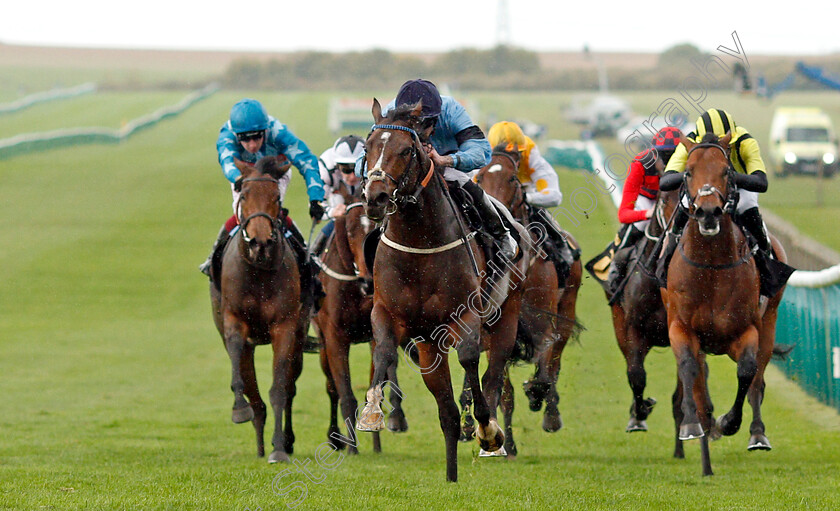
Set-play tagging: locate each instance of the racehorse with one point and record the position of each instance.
(426, 287)
(712, 301)
(344, 317)
(548, 312)
(256, 300)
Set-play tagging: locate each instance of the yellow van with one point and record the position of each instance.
(802, 141)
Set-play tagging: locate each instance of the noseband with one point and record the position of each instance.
(276, 225)
(377, 173)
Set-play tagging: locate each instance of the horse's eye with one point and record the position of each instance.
(406, 151)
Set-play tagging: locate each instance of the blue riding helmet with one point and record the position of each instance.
(248, 115)
(413, 91)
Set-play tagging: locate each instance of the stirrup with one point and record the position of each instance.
(205, 266)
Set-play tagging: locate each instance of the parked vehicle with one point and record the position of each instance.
(802, 141)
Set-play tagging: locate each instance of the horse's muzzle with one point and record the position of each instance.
(708, 219)
(376, 206)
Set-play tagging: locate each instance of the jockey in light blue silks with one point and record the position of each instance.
(251, 134)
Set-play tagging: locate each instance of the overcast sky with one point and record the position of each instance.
(807, 28)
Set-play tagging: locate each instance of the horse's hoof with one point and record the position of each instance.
(371, 419)
(691, 431)
(725, 426)
(397, 423)
(636, 425)
(244, 414)
(498, 436)
(498, 453)
(552, 423)
(759, 443)
(278, 457)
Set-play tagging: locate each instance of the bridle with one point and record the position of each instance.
(728, 197)
(514, 204)
(377, 173)
(730, 201)
(276, 224)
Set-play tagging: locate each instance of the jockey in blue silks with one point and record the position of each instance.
(457, 146)
(251, 134)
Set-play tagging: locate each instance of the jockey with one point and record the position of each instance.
(337, 165)
(750, 180)
(639, 198)
(249, 135)
(539, 184)
(457, 146)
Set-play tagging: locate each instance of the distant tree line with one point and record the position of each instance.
(499, 68)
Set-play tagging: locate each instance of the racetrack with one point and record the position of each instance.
(115, 381)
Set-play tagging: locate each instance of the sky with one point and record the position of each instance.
(803, 28)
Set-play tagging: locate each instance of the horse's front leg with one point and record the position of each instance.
(686, 350)
(744, 351)
(434, 366)
(235, 334)
(252, 392)
(283, 387)
(371, 417)
(396, 419)
(635, 350)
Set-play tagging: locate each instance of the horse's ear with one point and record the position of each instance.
(724, 141)
(376, 111)
(688, 144)
(417, 110)
(245, 168)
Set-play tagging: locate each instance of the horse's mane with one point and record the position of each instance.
(501, 147)
(710, 138)
(401, 113)
(269, 166)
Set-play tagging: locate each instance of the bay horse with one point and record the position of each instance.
(426, 287)
(548, 315)
(712, 301)
(256, 300)
(344, 317)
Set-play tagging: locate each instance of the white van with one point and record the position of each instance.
(802, 141)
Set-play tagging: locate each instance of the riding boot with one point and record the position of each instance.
(320, 243)
(672, 237)
(219, 244)
(306, 268)
(617, 268)
(492, 220)
(751, 220)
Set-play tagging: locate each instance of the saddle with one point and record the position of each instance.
(772, 273)
(558, 248)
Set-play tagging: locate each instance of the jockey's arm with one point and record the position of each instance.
(546, 192)
(228, 150)
(755, 178)
(627, 212)
(299, 154)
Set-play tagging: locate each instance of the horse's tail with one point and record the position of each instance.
(781, 351)
(525, 344)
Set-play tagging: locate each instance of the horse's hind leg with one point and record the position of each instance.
(337, 349)
(288, 432)
(466, 401)
(332, 393)
(745, 351)
(396, 419)
(507, 412)
(758, 440)
(676, 408)
(499, 347)
(249, 376)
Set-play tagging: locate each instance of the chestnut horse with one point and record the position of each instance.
(344, 318)
(548, 310)
(257, 301)
(426, 287)
(712, 301)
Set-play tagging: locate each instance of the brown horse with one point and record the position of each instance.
(257, 301)
(426, 286)
(712, 301)
(344, 318)
(640, 320)
(548, 315)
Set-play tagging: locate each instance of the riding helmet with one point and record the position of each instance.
(248, 115)
(348, 149)
(668, 138)
(413, 91)
(714, 121)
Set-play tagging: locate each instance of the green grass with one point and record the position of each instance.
(116, 385)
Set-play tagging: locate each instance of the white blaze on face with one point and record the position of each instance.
(365, 222)
(385, 137)
(495, 168)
